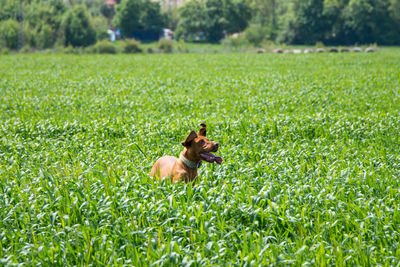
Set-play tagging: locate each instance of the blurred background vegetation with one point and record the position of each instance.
(42, 24)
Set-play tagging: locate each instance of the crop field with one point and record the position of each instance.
(310, 144)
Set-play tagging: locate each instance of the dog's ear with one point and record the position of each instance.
(189, 139)
(203, 131)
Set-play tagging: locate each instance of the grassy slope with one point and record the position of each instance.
(310, 146)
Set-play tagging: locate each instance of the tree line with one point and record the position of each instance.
(333, 22)
(48, 23)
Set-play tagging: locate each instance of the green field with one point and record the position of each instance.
(310, 145)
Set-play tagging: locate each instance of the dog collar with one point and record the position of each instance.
(189, 163)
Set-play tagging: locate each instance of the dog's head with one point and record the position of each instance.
(200, 148)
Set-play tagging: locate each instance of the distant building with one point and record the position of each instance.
(167, 34)
(111, 2)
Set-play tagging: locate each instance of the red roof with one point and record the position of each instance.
(111, 2)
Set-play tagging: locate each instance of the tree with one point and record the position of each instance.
(213, 18)
(394, 9)
(255, 34)
(44, 36)
(309, 23)
(369, 21)
(9, 33)
(171, 14)
(265, 14)
(100, 25)
(237, 15)
(127, 17)
(152, 21)
(9, 9)
(191, 20)
(42, 22)
(93, 6)
(333, 14)
(140, 19)
(107, 11)
(78, 30)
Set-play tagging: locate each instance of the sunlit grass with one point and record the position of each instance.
(310, 146)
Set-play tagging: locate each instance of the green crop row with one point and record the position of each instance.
(310, 144)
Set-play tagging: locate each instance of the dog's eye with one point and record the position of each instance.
(201, 142)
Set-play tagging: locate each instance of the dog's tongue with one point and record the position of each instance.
(211, 158)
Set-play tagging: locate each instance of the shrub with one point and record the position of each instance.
(166, 45)
(255, 34)
(25, 49)
(268, 45)
(105, 47)
(47, 51)
(9, 33)
(235, 41)
(131, 46)
(182, 46)
(5, 51)
(68, 50)
(90, 49)
(319, 44)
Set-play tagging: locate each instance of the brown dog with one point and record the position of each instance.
(196, 148)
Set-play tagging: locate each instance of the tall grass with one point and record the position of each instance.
(310, 145)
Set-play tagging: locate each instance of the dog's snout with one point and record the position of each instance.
(216, 146)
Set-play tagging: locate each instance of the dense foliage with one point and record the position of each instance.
(339, 22)
(310, 142)
(140, 19)
(77, 28)
(9, 30)
(333, 22)
(211, 18)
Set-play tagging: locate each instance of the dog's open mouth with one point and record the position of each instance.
(211, 158)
